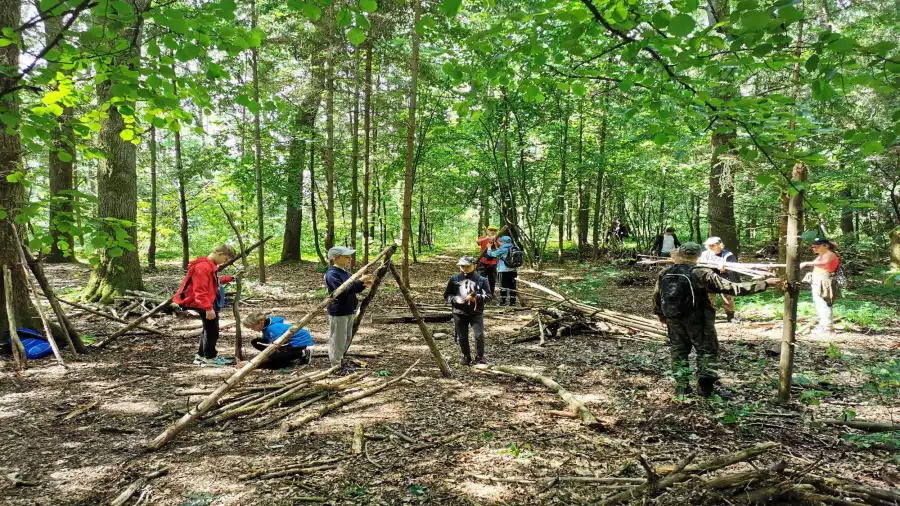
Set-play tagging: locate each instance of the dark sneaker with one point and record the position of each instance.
(708, 389)
(465, 361)
(502, 303)
(305, 357)
(729, 317)
(480, 361)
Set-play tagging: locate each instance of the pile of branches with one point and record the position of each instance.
(566, 316)
(270, 404)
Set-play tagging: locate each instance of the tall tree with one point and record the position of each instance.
(182, 195)
(354, 152)
(329, 131)
(561, 196)
(151, 249)
(367, 171)
(406, 226)
(62, 164)
(118, 269)
(257, 150)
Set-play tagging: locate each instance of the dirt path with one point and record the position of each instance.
(506, 429)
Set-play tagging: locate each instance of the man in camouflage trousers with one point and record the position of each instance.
(680, 301)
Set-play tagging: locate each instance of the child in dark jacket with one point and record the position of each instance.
(293, 351)
(468, 292)
(340, 312)
(200, 292)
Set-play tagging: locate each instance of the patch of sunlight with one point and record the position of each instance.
(81, 479)
(143, 407)
(367, 411)
(482, 490)
(478, 393)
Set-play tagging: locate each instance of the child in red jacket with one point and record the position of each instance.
(199, 291)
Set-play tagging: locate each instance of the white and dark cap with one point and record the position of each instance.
(712, 240)
(339, 251)
(466, 261)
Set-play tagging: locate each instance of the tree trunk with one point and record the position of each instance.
(697, 203)
(406, 225)
(847, 217)
(720, 212)
(151, 250)
(895, 249)
(329, 133)
(354, 154)
(598, 200)
(257, 152)
(792, 293)
(117, 183)
(561, 197)
(61, 172)
(367, 126)
(312, 196)
(12, 194)
(182, 198)
(584, 199)
(304, 124)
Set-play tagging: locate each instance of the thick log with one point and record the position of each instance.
(587, 418)
(862, 425)
(110, 317)
(731, 458)
(830, 483)
(426, 332)
(244, 371)
(347, 400)
(359, 439)
(428, 318)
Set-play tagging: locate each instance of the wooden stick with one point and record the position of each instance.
(70, 335)
(359, 439)
(236, 303)
(364, 305)
(439, 442)
(136, 485)
(296, 471)
(244, 254)
(262, 403)
(291, 411)
(347, 400)
(236, 378)
(731, 458)
(587, 418)
(653, 487)
(400, 435)
(37, 300)
(426, 332)
(18, 349)
(863, 425)
(110, 317)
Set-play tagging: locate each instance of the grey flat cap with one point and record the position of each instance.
(339, 251)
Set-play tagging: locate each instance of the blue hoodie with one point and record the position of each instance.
(275, 327)
(501, 254)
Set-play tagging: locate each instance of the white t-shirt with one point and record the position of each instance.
(668, 243)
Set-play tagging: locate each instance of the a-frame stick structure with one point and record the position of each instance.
(426, 332)
(376, 283)
(207, 403)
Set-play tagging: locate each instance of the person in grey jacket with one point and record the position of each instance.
(467, 293)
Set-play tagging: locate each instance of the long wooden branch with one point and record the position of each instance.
(863, 425)
(71, 335)
(364, 304)
(18, 349)
(109, 316)
(37, 299)
(238, 287)
(587, 418)
(236, 378)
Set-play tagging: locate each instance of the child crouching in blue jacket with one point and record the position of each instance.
(295, 351)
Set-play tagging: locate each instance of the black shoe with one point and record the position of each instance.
(480, 361)
(465, 361)
(708, 389)
(502, 302)
(512, 303)
(729, 317)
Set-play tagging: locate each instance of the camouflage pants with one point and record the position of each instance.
(695, 332)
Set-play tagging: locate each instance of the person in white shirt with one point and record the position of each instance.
(666, 243)
(715, 252)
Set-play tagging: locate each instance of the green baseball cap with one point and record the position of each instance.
(690, 249)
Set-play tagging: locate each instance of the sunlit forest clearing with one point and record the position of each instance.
(449, 252)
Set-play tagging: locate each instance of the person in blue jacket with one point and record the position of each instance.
(508, 275)
(341, 311)
(295, 351)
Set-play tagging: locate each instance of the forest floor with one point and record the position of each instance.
(507, 430)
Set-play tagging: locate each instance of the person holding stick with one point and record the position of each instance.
(715, 252)
(823, 282)
(200, 291)
(680, 301)
(467, 293)
(341, 311)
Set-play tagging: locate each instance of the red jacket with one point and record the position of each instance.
(484, 242)
(198, 289)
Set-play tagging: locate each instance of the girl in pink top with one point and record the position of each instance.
(824, 286)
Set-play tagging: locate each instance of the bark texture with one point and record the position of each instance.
(721, 195)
